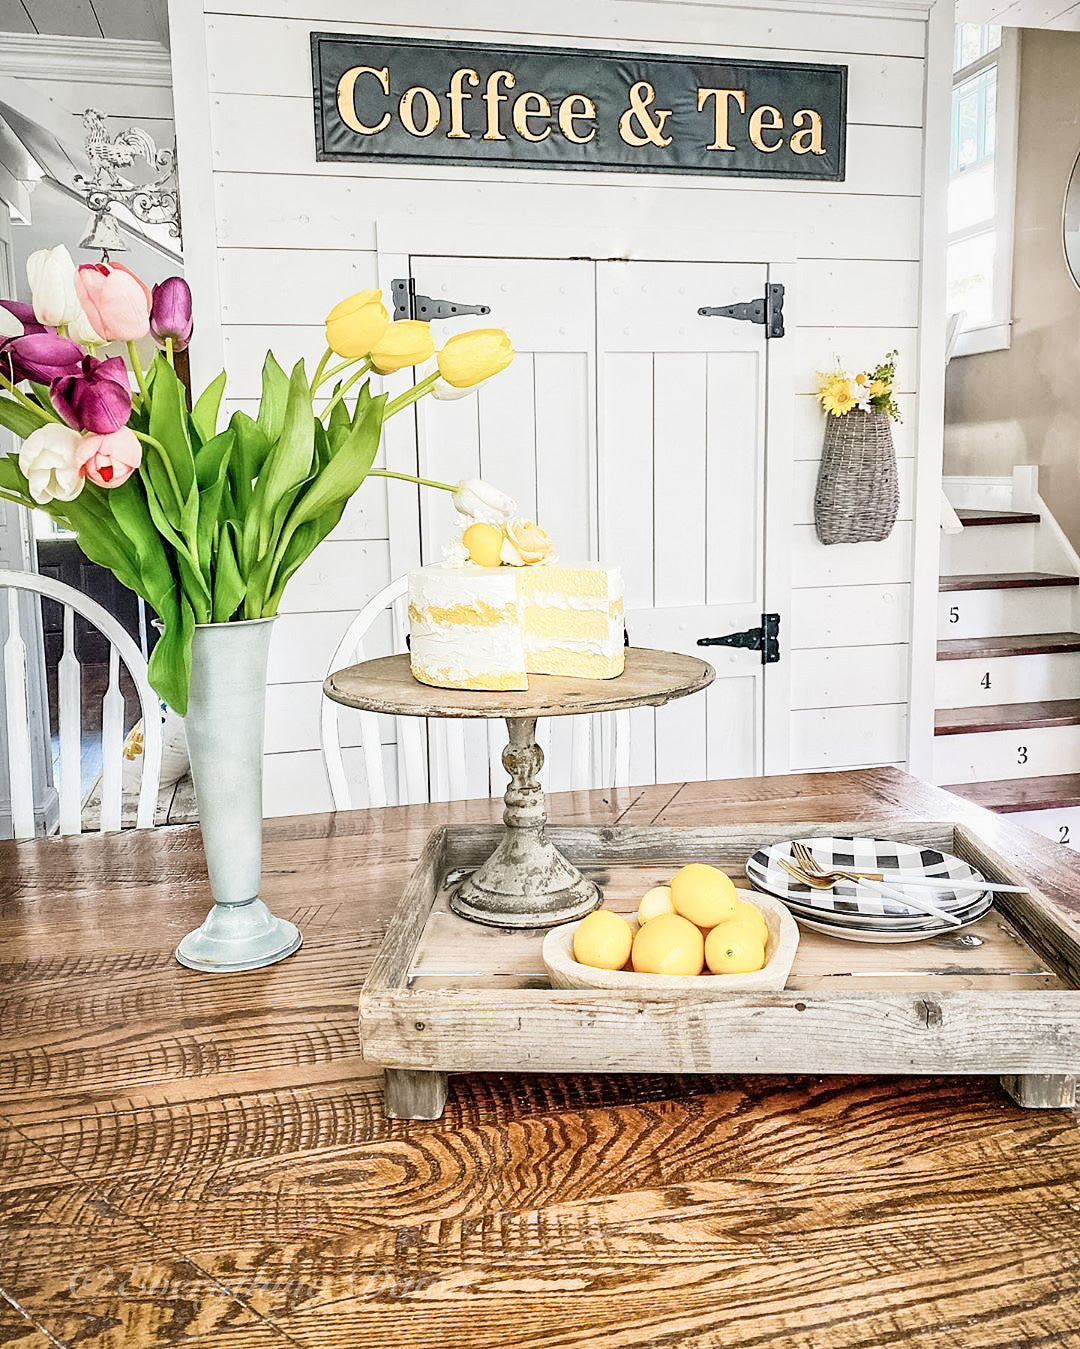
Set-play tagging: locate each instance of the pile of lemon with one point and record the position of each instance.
(696, 925)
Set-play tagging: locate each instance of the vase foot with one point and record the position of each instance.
(238, 937)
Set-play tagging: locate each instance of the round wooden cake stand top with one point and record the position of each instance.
(649, 679)
(526, 882)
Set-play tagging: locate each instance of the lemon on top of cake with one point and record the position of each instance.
(502, 608)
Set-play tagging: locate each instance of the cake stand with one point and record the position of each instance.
(526, 882)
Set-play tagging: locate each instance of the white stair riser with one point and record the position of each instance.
(1013, 679)
(1004, 613)
(1061, 825)
(988, 548)
(988, 756)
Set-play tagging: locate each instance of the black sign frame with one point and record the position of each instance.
(671, 104)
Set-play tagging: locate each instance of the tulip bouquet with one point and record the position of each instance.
(206, 522)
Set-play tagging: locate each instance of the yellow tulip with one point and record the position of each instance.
(356, 324)
(407, 342)
(471, 357)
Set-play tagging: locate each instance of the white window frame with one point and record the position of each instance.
(996, 334)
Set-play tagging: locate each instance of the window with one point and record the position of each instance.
(982, 175)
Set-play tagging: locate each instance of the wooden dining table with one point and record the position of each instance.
(203, 1159)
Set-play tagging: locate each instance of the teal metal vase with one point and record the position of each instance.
(225, 723)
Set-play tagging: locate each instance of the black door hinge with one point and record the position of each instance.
(769, 310)
(409, 305)
(765, 639)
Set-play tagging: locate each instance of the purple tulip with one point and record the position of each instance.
(26, 316)
(96, 397)
(41, 356)
(170, 312)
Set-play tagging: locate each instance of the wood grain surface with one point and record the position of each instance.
(204, 1160)
(650, 679)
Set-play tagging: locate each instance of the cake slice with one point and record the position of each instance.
(474, 627)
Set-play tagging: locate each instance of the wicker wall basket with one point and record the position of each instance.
(857, 496)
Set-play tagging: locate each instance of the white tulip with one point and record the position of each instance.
(446, 393)
(51, 274)
(480, 501)
(48, 459)
(9, 324)
(81, 330)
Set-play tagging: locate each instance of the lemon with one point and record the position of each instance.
(654, 902)
(483, 543)
(668, 944)
(747, 912)
(704, 894)
(734, 948)
(602, 940)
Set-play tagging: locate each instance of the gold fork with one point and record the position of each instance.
(814, 874)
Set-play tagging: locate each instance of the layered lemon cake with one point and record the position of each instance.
(473, 627)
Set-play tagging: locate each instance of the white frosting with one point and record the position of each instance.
(458, 652)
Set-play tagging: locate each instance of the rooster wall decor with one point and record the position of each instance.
(155, 202)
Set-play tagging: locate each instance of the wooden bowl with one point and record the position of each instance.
(565, 972)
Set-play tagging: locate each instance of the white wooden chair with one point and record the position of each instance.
(443, 758)
(121, 648)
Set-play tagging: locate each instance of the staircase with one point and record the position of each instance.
(1007, 727)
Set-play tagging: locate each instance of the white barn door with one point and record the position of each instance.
(682, 464)
(633, 430)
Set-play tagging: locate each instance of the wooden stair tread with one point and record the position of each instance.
(1026, 644)
(973, 517)
(1007, 716)
(1014, 580)
(1013, 794)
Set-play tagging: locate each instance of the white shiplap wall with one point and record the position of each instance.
(273, 238)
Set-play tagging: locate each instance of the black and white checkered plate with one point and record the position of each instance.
(861, 908)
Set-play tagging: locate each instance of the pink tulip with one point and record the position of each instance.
(111, 459)
(115, 300)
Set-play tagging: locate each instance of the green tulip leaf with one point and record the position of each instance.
(169, 423)
(170, 661)
(21, 419)
(252, 447)
(287, 466)
(204, 414)
(229, 587)
(275, 396)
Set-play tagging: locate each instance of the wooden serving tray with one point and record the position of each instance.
(447, 995)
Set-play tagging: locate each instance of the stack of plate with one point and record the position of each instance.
(860, 911)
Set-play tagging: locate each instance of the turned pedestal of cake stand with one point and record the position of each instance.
(526, 882)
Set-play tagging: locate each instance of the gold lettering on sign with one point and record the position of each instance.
(346, 98)
(758, 124)
(457, 95)
(808, 140)
(493, 98)
(574, 108)
(531, 105)
(642, 96)
(407, 111)
(720, 113)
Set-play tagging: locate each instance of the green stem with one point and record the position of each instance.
(364, 368)
(411, 396)
(169, 351)
(137, 371)
(409, 477)
(163, 456)
(20, 397)
(320, 367)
